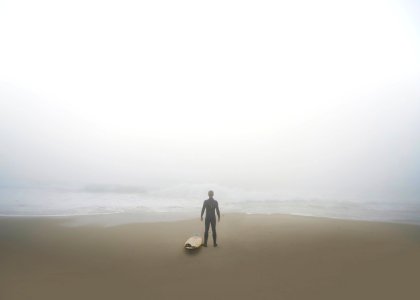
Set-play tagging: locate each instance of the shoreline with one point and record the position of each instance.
(132, 217)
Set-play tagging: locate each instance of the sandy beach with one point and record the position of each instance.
(259, 257)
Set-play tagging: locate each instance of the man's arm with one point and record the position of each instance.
(217, 210)
(203, 209)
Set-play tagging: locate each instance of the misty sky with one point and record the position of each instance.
(314, 97)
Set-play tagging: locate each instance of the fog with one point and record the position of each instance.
(303, 98)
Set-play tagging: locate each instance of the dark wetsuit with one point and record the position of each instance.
(210, 206)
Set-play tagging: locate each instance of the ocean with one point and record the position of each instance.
(186, 201)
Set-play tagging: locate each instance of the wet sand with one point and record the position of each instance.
(259, 257)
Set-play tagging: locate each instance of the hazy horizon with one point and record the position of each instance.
(300, 99)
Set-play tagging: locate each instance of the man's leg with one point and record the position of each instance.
(213, 229)
(206, 231)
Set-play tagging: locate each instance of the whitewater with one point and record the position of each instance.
(186, 201)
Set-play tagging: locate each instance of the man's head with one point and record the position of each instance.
(211, 194)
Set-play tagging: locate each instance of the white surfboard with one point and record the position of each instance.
(193, 242)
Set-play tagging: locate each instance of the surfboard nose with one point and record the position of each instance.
(193, 242)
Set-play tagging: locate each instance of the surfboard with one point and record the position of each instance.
(193, 242)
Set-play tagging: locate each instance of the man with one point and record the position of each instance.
(210, 206)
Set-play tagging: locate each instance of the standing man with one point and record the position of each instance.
(210, 206)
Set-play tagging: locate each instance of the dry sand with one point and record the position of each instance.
(259, 257)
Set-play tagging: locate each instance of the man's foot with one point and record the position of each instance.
(205, 245)
(215, 245)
